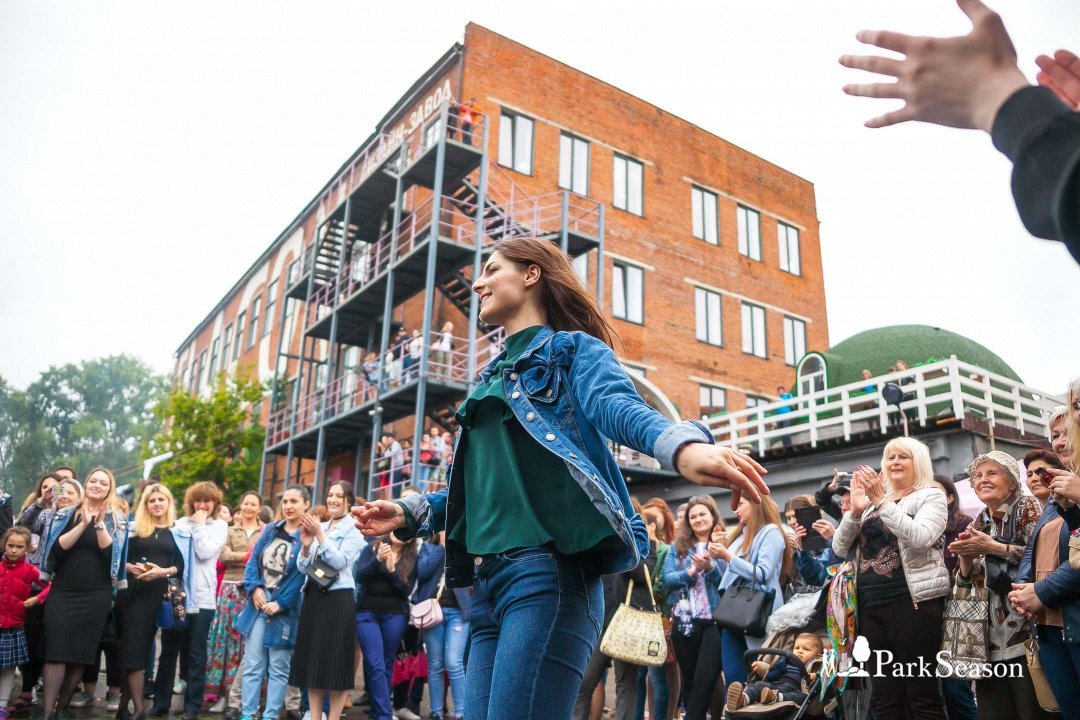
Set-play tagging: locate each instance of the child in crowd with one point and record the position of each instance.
(782, 681)
(17, 579)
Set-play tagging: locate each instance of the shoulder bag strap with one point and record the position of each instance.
(648, 583)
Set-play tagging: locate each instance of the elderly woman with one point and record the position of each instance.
(1001, 532)
(1048, 587)
(892, 534)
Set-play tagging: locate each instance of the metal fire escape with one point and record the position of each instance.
(406, 220)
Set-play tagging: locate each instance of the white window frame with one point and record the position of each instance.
(753, 401)
(794, 340)
(702, 405)
(200, 383)
(623, 306)
(787, 237)
(253, 321)
(709, 316)
(271, 302)
(214, 345)
(238, 341)
(581, 268)
(516, 133)
(754, 337)
(749, 242)
(574, 164)
(226, 345)
(625, 172)
(705, 215)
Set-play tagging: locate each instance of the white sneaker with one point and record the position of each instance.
(112, 701)
(307, 715)
(405, 714)
(219, 706)
(179, 687)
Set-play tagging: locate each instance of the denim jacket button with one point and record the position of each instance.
(513, 376)
(515, 395)
(550, 393)
(478, 560)
(550, 437)
(573, 456)
(530, 416)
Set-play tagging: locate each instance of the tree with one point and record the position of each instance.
(216, 438)
(98, 412)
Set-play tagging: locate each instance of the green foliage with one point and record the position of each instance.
(99, 412)
(215, 438)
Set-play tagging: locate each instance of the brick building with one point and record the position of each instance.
(709, 256)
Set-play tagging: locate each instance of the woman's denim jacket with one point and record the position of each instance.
(342, 548)
(280, 628)
(675, 576)
(571, 394)
(116, 525)
(1060, 588)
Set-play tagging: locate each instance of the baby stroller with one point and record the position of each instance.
(851, 704)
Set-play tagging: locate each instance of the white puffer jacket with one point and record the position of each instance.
(918, 521)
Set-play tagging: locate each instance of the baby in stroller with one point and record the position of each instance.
(781, 681)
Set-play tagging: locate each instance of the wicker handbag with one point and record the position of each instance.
(1043, 692)
(636, 636)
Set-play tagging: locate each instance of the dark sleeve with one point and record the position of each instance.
(824, 499)
(7, 517)
(1070, 516)
(178, 561)
(1041, 136)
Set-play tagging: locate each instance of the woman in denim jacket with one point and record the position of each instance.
(85, 553)
(268, 621)
(324, 660)
(536, 508)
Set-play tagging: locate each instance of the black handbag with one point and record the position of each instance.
(321, 573)
(998, 579)
(744, 607)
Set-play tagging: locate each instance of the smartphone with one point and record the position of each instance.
(807, 516)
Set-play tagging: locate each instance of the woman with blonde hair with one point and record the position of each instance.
(892, 534)
(153, 558)
(1066, 483)
(758, 553)
(85, 552)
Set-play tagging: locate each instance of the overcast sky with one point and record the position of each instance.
(149, 152)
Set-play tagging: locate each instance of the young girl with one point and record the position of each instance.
(536, 509)
(17, 578)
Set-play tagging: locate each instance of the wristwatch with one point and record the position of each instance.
(99, 526)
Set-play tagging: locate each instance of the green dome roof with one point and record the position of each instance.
(880, 348)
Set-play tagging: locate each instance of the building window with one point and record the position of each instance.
(628, 293)
(749, 233)
(290, 274)
(632, 367)
(516, 142)
(753, 330)
(185, 381)
(707, 315)
(432, 132)
(213, 357)
(703, 205)
(200, 379)
(752, 401)
(253, 328)
(226, 346)
(574, 164)
(271, 301)
(581, 268)
(794, 340)
(628, 185)
(239, 335)
(288, 308)
(713, 400)
(789, 248)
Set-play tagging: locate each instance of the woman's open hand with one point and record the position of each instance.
(380, 517)
(718, 466)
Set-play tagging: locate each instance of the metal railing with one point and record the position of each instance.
(936, 391)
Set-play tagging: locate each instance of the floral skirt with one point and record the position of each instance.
(225, 645)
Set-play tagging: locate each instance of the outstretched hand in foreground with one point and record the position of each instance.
(958, 82)
(1061, 73)
(378, 517)
(717, 466)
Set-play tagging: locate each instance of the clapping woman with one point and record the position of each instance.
(324, 660)
(86, 551)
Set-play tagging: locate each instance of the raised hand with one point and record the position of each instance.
(859, 499)
(957, 82)
(718, 466)
(380, 517)
(872, 484)
(1061, 73)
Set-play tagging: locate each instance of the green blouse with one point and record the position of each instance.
(517, 492)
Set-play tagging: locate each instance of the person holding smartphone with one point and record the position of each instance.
(692, 577)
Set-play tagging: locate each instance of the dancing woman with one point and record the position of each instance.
(536, 509)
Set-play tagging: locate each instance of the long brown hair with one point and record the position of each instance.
(567, 303)
(406, 560)
(660, 507)
(766, 513)
(685, 537)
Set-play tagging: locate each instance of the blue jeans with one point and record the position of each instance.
(535, 621)
(379, 636)
(732, 647)
(447, 641)
(1061, 662)
(661, 693)
(260, 660)
(959, 699)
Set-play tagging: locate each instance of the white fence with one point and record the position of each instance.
(945, 389)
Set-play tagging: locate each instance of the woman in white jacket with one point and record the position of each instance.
(893, 535)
